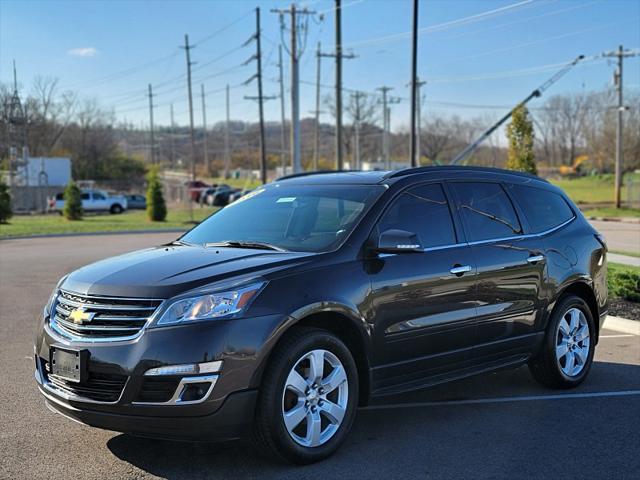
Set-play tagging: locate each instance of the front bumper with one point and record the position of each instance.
(241, 345)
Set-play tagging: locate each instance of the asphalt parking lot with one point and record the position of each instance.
(501, 425)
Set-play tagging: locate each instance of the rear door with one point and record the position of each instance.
(424, 312)
(510, 268)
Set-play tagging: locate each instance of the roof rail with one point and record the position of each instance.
(316, 172)
(432, 168)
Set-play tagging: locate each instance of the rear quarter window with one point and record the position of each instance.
(544, 209)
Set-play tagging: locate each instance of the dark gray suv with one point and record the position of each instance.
(281, 313)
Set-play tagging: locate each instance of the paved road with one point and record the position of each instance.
(621, 236)
(501, 425)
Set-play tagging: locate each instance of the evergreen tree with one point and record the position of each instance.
(156, 207)
(520, 135)
(72, 202)
(6, 210)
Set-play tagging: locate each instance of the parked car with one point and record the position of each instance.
(279, 315)
(238, 194)
(136, 202)
(219, 195)
(94, 201)
(195, 189)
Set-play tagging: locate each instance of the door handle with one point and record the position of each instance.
(535, 258)
(460, 270)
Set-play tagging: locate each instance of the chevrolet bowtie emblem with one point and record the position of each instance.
(79, 316)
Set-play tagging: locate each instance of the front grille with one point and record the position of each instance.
(101, 387)
(112, 318)
(158, 389)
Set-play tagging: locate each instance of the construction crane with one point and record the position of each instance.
(535, 94)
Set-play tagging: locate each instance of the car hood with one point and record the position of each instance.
(165, 271)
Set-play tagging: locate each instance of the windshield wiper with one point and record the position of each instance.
(243, 244)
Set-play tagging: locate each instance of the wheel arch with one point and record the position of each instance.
(585, 291)
(342, 322)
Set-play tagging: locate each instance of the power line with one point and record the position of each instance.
(443, 26)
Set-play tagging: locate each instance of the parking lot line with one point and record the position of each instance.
(525, 398)
(622, 335)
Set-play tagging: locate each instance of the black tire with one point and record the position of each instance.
(270, 434)
(116, 209)
(545, 368)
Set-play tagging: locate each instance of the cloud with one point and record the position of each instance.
(83, 52)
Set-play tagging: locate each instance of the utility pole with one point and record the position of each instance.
(283, 141)
(295, 51)
(152, 143)
(259, 98)
(187, 49)
(204, 130)
(414, 79)
(356, 127)
(386, 123)
(419, 84)
(171, 139)
(620, 54)
(339, 159)
(316, 140)
(227, 152)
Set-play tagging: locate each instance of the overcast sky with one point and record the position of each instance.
(478, 56)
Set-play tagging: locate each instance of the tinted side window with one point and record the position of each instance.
(543, 209)
(423, 210)
(84, 196)
(99, 196)
(486, 211)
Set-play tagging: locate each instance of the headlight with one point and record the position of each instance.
(210, 306)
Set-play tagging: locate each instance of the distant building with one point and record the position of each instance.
(43, 172)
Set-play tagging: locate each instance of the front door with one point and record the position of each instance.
(423, 303)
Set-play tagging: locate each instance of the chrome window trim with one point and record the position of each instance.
(175, 399)
(492, 240)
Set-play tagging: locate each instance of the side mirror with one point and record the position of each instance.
(398, 241)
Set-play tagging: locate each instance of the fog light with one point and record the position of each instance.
(186, 369)
(194, 391)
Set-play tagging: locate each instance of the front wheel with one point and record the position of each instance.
(569, 344)
(308, 398)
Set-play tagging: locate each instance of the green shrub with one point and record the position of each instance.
(6, 209)
(624, 282)
(156, 207)
(72, 202)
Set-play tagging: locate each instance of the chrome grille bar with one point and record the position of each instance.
(107, 319)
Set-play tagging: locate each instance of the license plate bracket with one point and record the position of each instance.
(68, 364)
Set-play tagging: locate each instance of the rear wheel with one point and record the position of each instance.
(116, 208)
(568, 349)
(308, 397)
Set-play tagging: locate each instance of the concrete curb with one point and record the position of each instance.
(631, 220)
(92, 234)
(622, 325)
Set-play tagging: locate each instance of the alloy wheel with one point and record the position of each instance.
(315, 398)
(572, 342)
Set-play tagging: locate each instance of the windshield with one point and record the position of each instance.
(307, 218)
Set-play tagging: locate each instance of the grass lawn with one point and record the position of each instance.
(591, 189)
(24, 225)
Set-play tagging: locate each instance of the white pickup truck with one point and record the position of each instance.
(94, 201)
